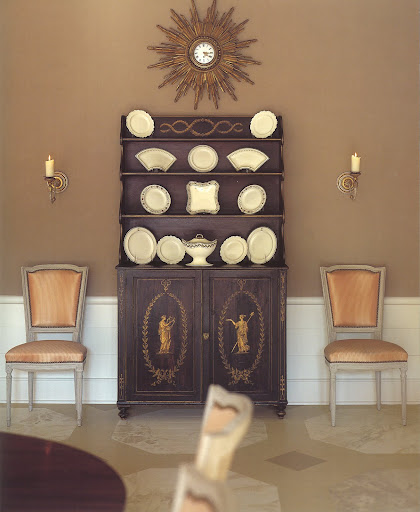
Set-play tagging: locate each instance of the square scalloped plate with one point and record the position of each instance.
(203, 197)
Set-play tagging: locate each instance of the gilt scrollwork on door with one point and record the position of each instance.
(121, 386)
(283, 298)
(164, 331)
(282, 388)
(242, 343)
(121, 302)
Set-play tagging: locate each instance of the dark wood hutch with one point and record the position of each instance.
(201, 298)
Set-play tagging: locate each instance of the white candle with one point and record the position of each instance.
(355, 163)
(49, 167)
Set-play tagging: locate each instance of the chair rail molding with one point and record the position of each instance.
(307, 372)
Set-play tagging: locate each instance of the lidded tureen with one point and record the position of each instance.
(199, 248)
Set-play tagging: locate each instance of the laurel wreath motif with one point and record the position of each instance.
(169, 374)
(237, 375)
(166, 127)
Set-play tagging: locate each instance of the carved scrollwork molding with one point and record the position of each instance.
(180, 127)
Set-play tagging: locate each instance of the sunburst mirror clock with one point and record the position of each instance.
(204, 55)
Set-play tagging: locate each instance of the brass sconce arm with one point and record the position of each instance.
(347, 183)
(56, 184)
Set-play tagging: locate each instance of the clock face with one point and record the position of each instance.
(204, 54)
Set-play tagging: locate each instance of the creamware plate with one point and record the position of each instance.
(203, 158)
(156, 158)
(263, 124)
(262, 245)
(203, 197)
(233, 250)
(251, 199)
(247, 158)
(170, 249)
(140, 123)
(155, 199)
(140, 245)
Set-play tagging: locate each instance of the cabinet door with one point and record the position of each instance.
(244, 332)
(161, 345)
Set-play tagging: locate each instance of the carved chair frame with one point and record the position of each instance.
(376, 331)
(33, 331)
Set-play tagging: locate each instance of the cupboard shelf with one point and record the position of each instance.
(197, 216)
(202, 139)
(201, 175)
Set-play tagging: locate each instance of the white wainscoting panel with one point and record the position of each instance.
(307, 375)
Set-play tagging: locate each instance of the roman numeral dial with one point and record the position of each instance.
(204, 54)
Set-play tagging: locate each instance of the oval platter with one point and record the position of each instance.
(140, 245)
(262, 245)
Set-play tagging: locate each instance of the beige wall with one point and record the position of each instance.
(344, 75)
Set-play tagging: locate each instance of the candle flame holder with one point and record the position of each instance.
(56, 184)
(347, 183)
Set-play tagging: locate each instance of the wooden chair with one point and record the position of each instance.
(354, 299)
(226, 419)
(54, 297)
(196, 493)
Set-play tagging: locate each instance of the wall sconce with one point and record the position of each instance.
(57, 181)
(347, 182)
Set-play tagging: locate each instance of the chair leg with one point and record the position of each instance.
(378, 390)
(404, 395)
(78, 395)
(30, 390)
(333, 372)
(8, 395)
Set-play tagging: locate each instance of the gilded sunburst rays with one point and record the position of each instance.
(177, 54)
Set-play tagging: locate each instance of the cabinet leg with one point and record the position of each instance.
(123, 414)
(281, 411)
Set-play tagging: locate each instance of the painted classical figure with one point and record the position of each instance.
(164, 331)
(241, 327)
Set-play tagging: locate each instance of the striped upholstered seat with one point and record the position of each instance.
(364, 351)
(47, 351)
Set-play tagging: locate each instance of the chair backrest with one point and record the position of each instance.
(226, 419)
(54, 298)
(196, 493)
(353, 298)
